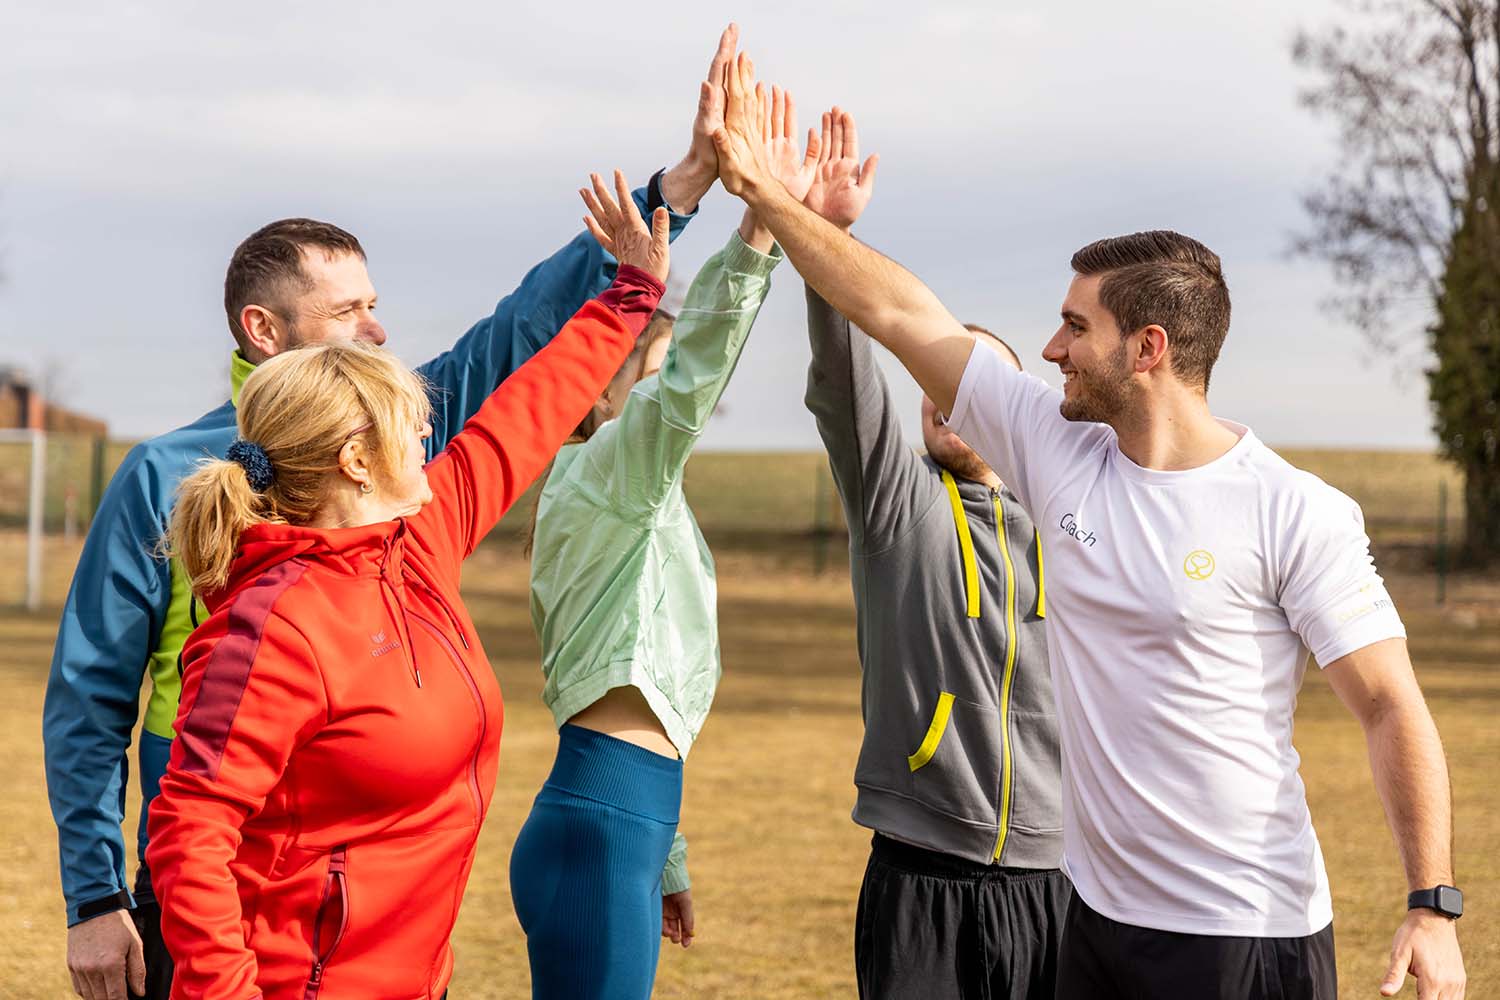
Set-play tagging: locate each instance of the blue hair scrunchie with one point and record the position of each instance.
(257, 464)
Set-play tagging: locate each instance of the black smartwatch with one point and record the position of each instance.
(1443, 898)
(654, 197)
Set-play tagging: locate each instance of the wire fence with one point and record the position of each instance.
(782, 501)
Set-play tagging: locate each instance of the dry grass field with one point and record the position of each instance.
(775, 858)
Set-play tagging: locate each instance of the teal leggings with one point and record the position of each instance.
(585, 874)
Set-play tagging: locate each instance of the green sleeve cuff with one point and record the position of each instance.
(674, 877)
(742, 257)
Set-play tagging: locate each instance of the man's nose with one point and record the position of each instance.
(1054, 351)
(372, 331)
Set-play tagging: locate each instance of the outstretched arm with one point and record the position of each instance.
(642, 454)
(878, 475)
(873, 292)
(526, 420)
(528, 318)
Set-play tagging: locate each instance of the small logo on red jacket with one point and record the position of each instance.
(381, 645)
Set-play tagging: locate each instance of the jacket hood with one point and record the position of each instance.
(358, 551)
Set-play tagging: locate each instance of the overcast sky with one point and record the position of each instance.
(139, 143)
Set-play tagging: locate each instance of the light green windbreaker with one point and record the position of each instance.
(622, 583)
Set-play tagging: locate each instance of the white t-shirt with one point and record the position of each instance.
(1178, 606)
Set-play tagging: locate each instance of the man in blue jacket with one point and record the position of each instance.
(129, 612)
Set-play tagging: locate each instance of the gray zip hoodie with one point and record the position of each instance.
(960, 752)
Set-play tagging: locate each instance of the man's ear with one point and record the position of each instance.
(1151, 348)
(263, 333)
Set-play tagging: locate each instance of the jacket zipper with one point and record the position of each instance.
(335, 882)
(1007, 678)
(463, 671)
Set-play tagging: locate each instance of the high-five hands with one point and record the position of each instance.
(710, 116)
(841, 187)
(757, 144)
(687, 182)
(744, 166)
(619, 228)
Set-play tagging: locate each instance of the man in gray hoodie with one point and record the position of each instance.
(958, 774)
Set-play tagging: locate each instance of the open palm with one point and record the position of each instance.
(615, 221)
(842, 186)
(789, 164)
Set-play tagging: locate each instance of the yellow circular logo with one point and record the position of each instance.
(1199, 565)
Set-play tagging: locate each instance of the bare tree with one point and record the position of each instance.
(1409, 216)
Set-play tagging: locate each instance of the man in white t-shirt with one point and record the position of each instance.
(1187, 567)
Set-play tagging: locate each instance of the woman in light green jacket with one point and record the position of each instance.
(623, 601)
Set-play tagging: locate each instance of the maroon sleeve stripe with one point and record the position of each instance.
(206, 728)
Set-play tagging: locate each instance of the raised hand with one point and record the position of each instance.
(741, 142)
(842, 187)
(795, 169)
(617, 224)
(710, 117)
(686, 183)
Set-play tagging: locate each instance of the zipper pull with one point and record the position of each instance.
(317, 974)
(417, 672)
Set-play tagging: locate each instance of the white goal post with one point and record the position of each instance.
(35, 504)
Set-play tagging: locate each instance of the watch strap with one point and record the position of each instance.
(1444, 899)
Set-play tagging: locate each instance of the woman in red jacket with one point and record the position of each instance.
(339, 732)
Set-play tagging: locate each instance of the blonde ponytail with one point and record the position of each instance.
(297, 410)
(214, 507)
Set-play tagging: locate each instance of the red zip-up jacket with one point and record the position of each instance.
(339, 731)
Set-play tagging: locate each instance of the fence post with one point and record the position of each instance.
(1442, 541)
(34, 525)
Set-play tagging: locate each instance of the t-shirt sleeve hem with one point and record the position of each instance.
(1357, 639)
(963, 401)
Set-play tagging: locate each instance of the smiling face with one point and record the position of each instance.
(338, 304)
(296, 282)
(1094, 357)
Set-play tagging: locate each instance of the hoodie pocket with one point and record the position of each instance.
(331, 921)
(935, 730)
(955, 769)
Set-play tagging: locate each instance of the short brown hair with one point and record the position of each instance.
(976, 328)
(1167, 279)
(267, 266)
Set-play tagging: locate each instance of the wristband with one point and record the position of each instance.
(105, 904)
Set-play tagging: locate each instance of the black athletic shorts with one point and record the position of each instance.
(1103, 959)
(932, 926)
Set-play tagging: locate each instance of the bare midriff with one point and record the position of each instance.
(624, 714)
